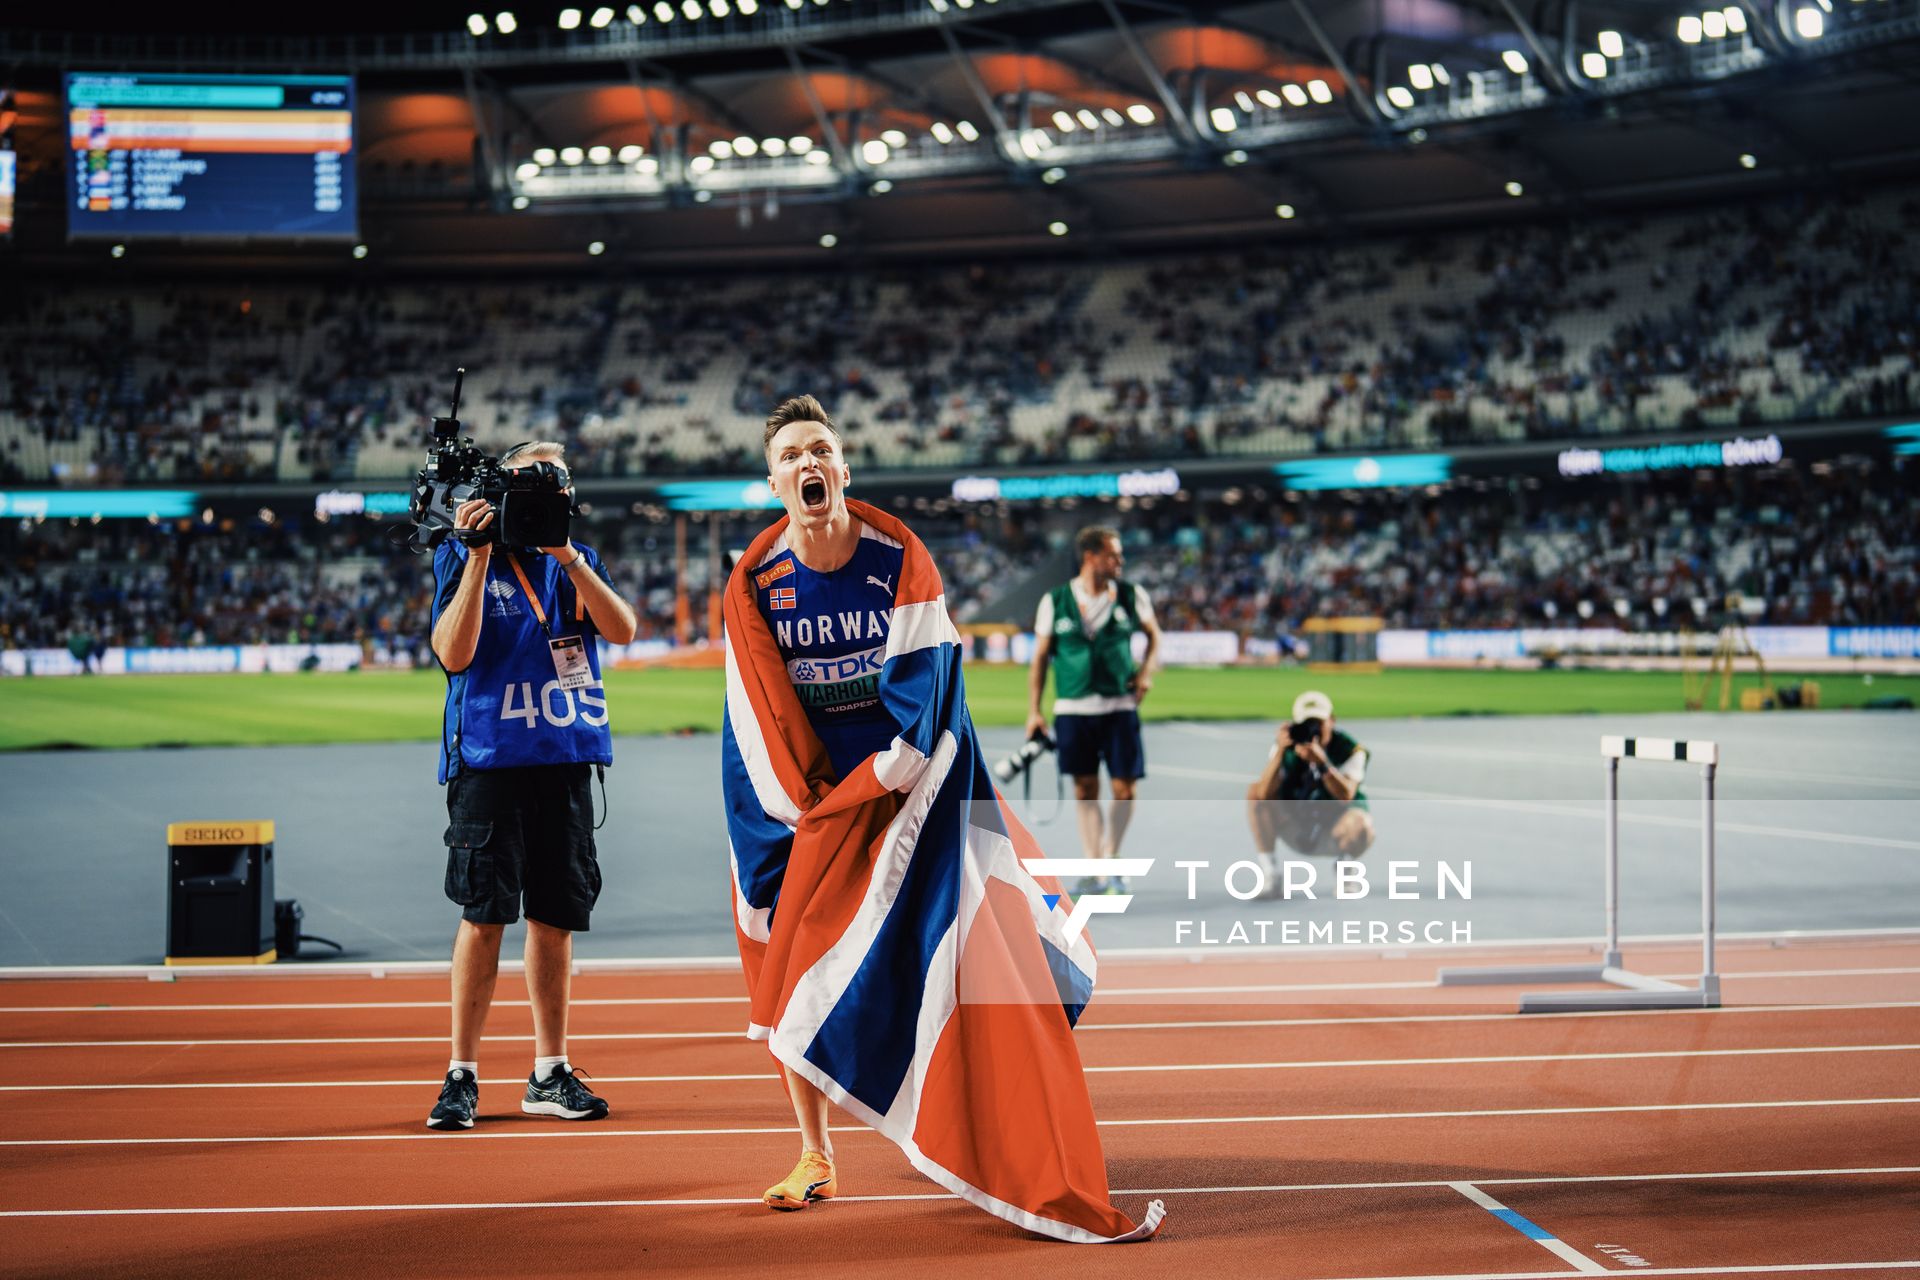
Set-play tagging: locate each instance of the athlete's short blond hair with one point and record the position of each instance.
(798, 409)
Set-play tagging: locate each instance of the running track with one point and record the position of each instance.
(1313, 1116)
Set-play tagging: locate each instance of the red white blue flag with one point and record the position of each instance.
(898, 954)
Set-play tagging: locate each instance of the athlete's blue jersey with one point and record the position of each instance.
(507, 708)
(831, 629)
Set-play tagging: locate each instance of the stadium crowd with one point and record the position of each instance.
(1832, 544)
(345, 580)
(1768, 311)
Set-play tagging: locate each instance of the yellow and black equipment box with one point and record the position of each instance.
(220, 893)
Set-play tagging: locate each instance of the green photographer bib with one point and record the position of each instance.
(1097, 664)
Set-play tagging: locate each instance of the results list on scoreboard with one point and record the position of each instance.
(211, 155)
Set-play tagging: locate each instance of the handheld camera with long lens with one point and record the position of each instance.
(1020, 761)
(531, 505)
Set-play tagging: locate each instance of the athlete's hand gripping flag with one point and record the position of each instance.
(897, 953)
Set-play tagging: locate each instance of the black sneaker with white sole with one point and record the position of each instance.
(563, 1095)
(459, 1096)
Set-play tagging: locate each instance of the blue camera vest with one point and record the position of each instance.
(507, 708)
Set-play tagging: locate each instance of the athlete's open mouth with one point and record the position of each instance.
(813, 494)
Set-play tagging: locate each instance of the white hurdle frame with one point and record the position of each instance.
(1637, 990)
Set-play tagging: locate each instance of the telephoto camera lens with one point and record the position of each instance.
(1022, 760)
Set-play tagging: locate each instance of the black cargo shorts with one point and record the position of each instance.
(523, 833)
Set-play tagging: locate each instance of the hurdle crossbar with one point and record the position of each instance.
(1636, 991)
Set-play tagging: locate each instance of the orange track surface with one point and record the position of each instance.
(1313, 1130)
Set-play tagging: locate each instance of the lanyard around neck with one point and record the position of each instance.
(533, 597)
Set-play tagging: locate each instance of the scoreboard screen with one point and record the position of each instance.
(205, 155)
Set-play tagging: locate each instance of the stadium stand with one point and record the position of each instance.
(1834, 544)
(1831, 544)
(1733, 316)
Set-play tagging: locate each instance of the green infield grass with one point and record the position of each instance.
(399, 706)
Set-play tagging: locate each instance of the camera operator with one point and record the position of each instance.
(525, 726)
(1309, 795)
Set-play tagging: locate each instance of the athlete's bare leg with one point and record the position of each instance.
(810, 1109)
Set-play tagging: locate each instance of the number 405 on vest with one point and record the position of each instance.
(555, 705)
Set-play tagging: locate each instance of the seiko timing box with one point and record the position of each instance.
(220, 893)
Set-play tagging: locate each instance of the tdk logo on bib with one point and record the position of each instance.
(838, 684)
(826, 670)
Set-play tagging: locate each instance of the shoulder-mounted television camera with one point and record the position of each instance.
(531, 505)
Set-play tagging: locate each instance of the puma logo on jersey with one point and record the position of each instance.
(886, 586)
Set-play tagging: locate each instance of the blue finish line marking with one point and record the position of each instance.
(1531, 1230)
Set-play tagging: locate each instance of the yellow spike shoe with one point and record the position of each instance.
(811, 1179)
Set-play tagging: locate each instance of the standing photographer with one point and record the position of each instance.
(1084, 630)
(1309, 795)
(525, 723)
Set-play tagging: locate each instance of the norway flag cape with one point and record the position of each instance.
(897, 953)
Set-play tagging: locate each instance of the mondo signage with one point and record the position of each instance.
(1738, 452)
(349, 502)
(1125, 484)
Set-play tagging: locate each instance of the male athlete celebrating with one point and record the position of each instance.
(901, 961)
(828, 596)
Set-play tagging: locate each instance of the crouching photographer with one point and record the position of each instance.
(525, 728)
(1309, 796)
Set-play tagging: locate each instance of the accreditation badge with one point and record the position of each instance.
(570, 661)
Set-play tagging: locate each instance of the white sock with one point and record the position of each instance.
(471, 1068)
(1271, 864)
(543, 1068)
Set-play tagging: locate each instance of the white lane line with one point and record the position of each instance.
(1427, 983)
(355, 1004)
(1639, 1108)
(572, 1036)
(1539, 1180)
(1180, 1025)
(1422, 984)
(1301, 1064)
(1531, 1230)
(1722, 1011)
(1280, 1188)
(576, 1134)
(680, 965)
(1268, 1189)
(1729, 1270)
(1576, 811)
(1500, 1059)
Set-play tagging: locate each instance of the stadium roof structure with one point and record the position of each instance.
(728, 132)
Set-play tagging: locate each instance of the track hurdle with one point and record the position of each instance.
(1637, 991)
